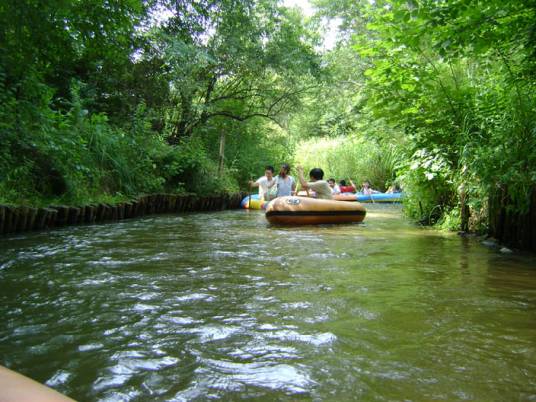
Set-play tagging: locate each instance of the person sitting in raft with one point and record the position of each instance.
(334, 187)
(317, 184)
(347, 189)
(367, 190)
(393, 188)
(265, 183)
(286, 185)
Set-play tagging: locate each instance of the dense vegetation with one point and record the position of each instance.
(112, 99)
(449, 85)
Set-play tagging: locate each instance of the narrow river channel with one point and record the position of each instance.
(223, 306)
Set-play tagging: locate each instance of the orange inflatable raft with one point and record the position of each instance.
(345, 197)
(311, 211)
(15, 387)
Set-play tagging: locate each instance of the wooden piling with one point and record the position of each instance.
(72, 215)
(2, 218)
(41, 218)
(23, 218)
(51, 217)
(32, 215)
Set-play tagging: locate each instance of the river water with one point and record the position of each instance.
(223, 306)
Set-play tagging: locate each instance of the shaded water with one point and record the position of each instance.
(220, 305)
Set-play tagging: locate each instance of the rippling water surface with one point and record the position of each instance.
(222, 306)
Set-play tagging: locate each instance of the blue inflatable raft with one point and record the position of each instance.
(380, 197)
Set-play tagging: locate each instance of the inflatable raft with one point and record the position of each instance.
(379, 197)
(15, 387)
(311, 211)
(253, 202)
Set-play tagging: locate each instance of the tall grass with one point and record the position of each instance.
(350, 158)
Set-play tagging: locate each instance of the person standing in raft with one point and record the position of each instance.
(285, 183)
(393, 189)
(317, 183)
(265, 183)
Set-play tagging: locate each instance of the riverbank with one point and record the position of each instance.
(15, 219)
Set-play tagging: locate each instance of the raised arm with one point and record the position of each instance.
(303, 182)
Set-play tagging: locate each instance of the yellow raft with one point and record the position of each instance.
(311, 211)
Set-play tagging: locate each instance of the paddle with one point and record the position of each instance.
(372, 199)
(249, 190)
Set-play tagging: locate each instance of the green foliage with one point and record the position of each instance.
(75, 156)
(450, 220)
(251, 146)
(427, 179)
(100, 102)
(331, 107)
(455, 82)
(252, 60)
(188, 167)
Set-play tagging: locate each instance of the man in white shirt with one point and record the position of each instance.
(334, 187)
(265, 183)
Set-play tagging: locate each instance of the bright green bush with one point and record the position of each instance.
(427, 179)
(253, 147)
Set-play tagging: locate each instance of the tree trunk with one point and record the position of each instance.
(464, 209)
(180, 128)
(221, 158)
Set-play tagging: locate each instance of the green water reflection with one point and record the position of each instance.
(220, 305)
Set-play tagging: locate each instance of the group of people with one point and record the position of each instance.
(343, 187)
(271, 186)
(283, 184)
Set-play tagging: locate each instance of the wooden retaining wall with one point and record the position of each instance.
(512, 228)
(22, 218)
